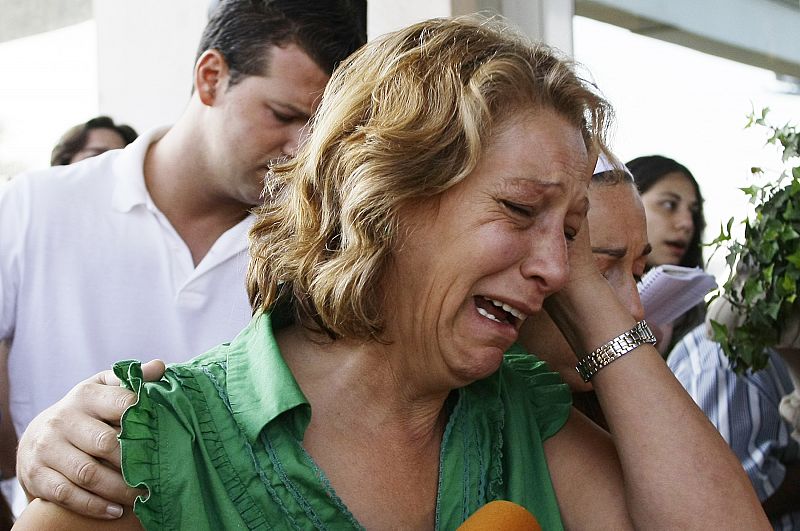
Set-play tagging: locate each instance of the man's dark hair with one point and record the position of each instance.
(76, 137)
(243, 30)
(612, 177)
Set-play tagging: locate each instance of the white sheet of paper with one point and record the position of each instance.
(669, 291)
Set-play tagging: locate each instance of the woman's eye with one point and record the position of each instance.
(669, 205)
(517, 209)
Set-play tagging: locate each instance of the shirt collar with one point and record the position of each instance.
(260, 385)
(130, 189)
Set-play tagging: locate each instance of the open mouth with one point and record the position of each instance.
(498, 311)
(677, 246)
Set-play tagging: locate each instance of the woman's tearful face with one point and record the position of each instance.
(480, 258)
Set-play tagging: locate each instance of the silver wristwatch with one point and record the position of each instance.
(616, 348)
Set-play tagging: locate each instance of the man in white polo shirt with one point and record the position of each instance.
(142, 252)
(92, 270)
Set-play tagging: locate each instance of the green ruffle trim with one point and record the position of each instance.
(138, 446)
(549, 395)
(215, 439)
(495, 419)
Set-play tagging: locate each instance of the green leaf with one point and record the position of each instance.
(788, 233)
(771, 232)
(730, 260)
(724, 233)
(789, 285)
(772, 310)
(752, 190)
(767, 250)
(791, 213)
(766, 273)
(719, 332)
(770, 249)
(752, 288)
(794, 258)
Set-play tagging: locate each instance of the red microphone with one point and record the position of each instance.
(501, 515)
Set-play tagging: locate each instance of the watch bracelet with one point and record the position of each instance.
(590, 364)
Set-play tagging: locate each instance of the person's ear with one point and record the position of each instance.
(210, 76)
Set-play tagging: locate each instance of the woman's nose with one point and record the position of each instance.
(684, 220)
(547, 262)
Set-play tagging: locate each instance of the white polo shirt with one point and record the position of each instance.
(91, 272)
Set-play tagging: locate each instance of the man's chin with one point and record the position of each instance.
(254, 198)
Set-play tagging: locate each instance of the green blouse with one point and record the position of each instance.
(218, 443)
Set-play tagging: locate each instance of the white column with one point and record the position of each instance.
(546, 20)
(384, 16)
(145, 58)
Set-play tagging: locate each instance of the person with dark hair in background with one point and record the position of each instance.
(143, 251)
(675, 223)
(89, 139)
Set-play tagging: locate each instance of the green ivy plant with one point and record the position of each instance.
(769, 257)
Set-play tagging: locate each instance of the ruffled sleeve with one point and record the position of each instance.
(138, 442)
(181, 442)
(548, 394)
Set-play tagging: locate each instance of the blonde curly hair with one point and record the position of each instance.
(402, 120)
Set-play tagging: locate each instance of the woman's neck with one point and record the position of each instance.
(365, 384)
(363, 400)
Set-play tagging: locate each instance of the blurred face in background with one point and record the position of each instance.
(670, 204)
(99, 140)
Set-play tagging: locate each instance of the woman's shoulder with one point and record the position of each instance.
(177, 376)
(531, 372)
(185, 391)
(176, 435)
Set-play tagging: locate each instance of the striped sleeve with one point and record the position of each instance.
(744, 408)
